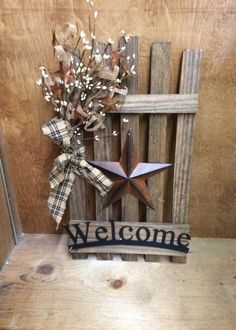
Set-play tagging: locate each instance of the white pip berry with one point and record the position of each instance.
(39, 82)
(110, 41)
(82, 34)
(47, 98)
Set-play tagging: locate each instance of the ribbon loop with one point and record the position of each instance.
(58, 130)
(65, 167)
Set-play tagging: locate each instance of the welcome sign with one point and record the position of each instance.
(113, 236)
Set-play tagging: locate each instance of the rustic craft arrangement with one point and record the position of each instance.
(89, 94)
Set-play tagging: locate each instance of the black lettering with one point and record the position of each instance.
(183, 236)
(147, 234)
(74, 238)
(101, 230)
(164, 234)
(121, 233)
(113, 233)
(78, 232)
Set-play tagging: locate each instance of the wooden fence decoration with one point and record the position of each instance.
(166, 112)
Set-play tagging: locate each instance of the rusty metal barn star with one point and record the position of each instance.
(129, 175)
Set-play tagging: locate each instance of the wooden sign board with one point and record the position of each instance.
(128, 237)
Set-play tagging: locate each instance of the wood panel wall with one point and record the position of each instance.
(208, 24)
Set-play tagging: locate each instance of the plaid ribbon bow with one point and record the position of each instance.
(65, 167)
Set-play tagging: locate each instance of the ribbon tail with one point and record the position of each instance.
(95, 177)
(59, 195)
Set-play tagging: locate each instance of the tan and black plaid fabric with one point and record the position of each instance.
(65, 167)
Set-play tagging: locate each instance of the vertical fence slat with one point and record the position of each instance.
(77, 200)
(157, 143)
(189, 83)
(129, 204)
(103, 151)
(77, 203)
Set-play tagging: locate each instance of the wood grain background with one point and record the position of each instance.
(26, 43)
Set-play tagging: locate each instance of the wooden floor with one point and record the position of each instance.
(41, 287)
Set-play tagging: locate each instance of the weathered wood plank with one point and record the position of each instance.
(133, 232)
(129, 203)
(157, 143)
(184, 136)
(178, 228)
(137, 250)
(189, 83)
(77, 205)
(159, 104)
(103, 151)
(77, 199)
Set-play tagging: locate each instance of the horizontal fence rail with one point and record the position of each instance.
(160, 104)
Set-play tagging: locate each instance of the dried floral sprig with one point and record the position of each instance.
(90, 81)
